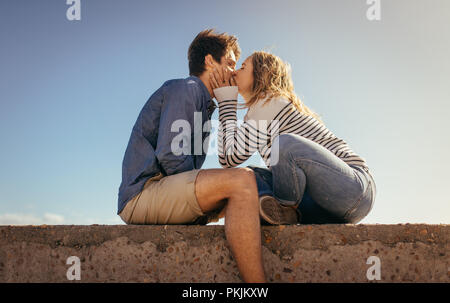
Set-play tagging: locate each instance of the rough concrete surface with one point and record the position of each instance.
(178, 253)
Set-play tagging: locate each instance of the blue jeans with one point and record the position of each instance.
(325, 188)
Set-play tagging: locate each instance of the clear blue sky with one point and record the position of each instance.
(70, 92)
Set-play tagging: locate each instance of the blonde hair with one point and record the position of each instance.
(272, 78)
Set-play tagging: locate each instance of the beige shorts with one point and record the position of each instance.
(167, 200)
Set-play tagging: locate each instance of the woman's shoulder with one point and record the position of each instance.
(276, 101)
(267, 109)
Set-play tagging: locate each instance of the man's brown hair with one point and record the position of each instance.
(208, 42)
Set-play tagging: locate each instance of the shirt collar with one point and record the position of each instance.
(202, 85)
(210, 103)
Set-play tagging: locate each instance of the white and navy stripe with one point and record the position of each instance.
(237, 144)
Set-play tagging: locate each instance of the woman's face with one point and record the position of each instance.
(244, 77)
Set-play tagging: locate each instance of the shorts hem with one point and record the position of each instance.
(191, 195)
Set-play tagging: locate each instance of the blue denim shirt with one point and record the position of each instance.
(149, 149)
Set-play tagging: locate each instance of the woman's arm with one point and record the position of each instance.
(235, 144)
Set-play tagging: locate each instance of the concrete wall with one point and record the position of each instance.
(301, 253)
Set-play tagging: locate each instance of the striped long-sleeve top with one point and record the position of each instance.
(263, 122)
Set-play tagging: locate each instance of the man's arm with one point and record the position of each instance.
(177, 110)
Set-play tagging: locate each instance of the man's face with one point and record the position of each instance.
(228, 61)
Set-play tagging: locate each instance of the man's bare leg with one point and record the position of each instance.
(237, 188)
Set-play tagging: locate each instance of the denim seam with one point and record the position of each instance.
(367, 176)
(294, 173)
(358, 200)
(355, 207)
(296, 193)
(327, 167)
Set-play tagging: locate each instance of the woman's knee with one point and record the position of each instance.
(286, 139)
(287, 147)
(280, 150)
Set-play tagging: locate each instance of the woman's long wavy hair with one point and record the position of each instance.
(272, 78)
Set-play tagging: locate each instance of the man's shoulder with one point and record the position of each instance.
(188, 82)
(188, 87)
(173, 83)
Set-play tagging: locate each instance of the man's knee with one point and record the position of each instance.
(245, 173)
(216, 185)
(244, 179)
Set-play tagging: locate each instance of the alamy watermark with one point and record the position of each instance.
(374, 11)
(74, 11)
(230, 138)
(74, 271)
(374, 271)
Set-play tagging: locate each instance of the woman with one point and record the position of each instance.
(305, 159)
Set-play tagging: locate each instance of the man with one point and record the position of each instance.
(162, 186)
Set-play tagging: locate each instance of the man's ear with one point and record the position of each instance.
(209, 61)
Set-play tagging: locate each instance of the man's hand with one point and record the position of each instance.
(221, 77)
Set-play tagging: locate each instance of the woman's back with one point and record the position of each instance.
(281, 119)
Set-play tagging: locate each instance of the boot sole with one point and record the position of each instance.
(276, 214)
